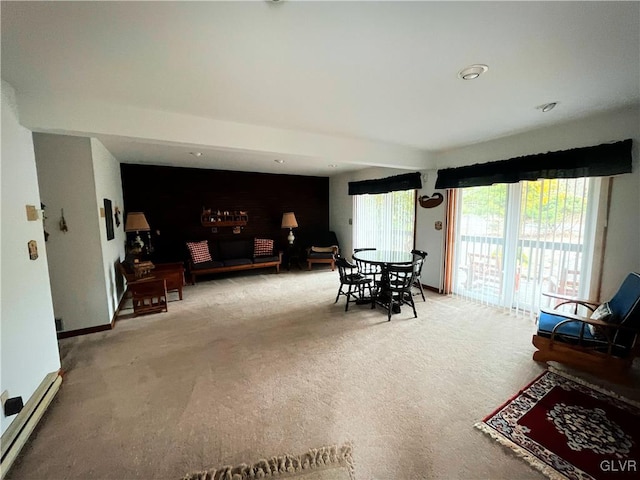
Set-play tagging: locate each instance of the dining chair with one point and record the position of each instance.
(417, 277)
(397, 289)
(350, 277)
(367, 269)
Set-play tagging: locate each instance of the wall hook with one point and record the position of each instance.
(63, 222)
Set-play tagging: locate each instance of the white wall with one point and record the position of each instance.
(427, 237)
(29, 349)
(623, 240)
(65, 173)
(108, 182)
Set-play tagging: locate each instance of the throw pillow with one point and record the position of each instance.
(199, 251)
(602, 313)
(262, 247)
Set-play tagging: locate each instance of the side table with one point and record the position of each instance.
(293, 255)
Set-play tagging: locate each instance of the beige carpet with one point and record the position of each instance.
(252, 366)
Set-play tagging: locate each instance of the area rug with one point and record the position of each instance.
(567, 428)
(325, 463)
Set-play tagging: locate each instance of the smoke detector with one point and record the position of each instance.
(547, 107)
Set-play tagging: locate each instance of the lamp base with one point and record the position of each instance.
(290, 237)
(138, 243)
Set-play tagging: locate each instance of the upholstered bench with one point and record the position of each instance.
(209, 257)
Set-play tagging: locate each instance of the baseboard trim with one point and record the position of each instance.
(84, 331)
(430, 288)
(18, 432)
(95, 329)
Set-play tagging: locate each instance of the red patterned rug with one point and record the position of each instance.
(567, 428)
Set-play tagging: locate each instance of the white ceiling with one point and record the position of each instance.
(372, 71)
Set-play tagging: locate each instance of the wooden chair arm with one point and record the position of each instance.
(565, 299)
(571, 316)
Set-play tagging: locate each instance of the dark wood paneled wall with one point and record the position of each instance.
(172, 199)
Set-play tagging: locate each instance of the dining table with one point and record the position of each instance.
(384, 258)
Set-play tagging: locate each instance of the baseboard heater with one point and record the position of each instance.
(18, 432)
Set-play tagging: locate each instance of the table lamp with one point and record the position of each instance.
(289, 221)
(137, 222)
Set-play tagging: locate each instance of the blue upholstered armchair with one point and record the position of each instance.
(604, 343)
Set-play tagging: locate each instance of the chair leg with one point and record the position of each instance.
(389, 306)
(346, 307)
(406, 298)
(421, 290)
(413, 305)
(339, 292)
(372, 295)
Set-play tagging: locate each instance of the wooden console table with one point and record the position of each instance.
(172, 273)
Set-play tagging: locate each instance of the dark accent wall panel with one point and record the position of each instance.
(172, 199)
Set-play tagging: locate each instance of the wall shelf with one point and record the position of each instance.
(230, 219)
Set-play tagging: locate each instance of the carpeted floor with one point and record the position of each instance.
(257, 365)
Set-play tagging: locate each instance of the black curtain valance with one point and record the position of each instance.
(406, 181)
(597, 161)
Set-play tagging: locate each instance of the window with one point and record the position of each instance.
(514, 242)
(385, 221)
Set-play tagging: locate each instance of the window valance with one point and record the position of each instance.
(406, 181)
(596, 161)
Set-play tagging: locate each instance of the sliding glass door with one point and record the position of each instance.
(515, 241)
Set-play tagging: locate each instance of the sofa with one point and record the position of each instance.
(209, 256)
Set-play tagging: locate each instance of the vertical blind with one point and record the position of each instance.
(384, 221)
(514, 242)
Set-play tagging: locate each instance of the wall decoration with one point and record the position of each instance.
(63, 222)
(430, 202)
(32, 245)
(116, 214)
(108, 218)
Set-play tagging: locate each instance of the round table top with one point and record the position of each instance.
(382, 257)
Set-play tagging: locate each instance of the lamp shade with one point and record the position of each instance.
(136, 222)
(289, 220)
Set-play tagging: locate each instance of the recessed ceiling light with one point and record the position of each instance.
(472, 71)
(196, 154)
(547, 107)
(333, 165)
(277, 160)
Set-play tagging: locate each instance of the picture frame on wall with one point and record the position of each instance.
(108, 218)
